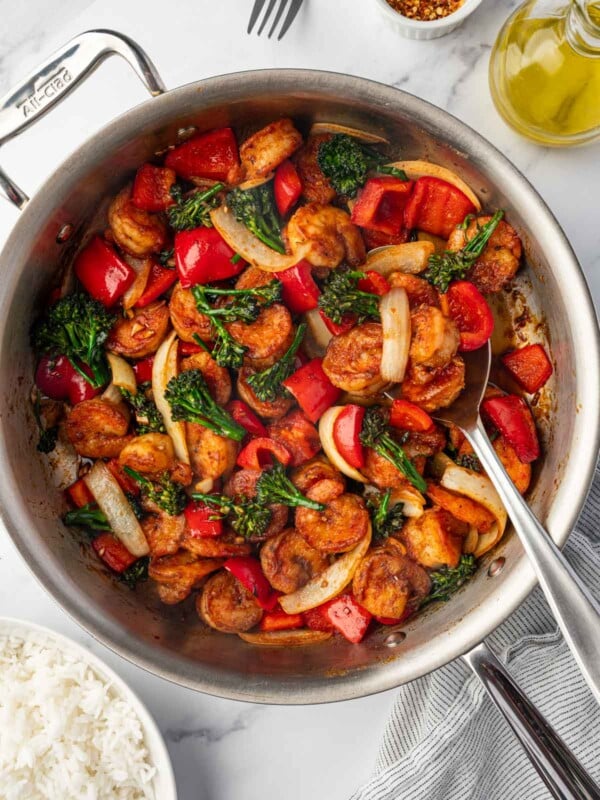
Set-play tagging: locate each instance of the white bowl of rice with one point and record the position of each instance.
(70, 728)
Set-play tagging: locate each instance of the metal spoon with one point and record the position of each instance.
(575, 610)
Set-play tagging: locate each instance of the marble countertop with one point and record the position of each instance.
(221, 749)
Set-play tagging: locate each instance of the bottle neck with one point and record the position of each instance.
(583, 27)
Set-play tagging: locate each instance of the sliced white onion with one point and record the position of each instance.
(142, 268)
(327, 584)
(251, 249)
(333, 127)
(111, 500)
(326, 425)
(395, 322)
(317, 336)
(293, 638)
(252, 183)
(412, 500)
(163, 369)
(471, 540)
(112, 394)
(410, 257)
(417, 169)
(122, 372)
(479, 488)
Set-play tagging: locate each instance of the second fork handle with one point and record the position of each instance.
(574, 608)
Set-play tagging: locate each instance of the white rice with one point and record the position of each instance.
(65, 733)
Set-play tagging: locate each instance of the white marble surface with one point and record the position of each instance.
(223, 750)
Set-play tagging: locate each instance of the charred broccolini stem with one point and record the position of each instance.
(193, 211)
(148, 417)
(190, 400)
(447, 580)
(385, 520)
(394, 172)
(88, 516)
(77, 327)
(166, 494)
(375, 434)
(248, 518)
(268, 384)
(341, 297)
(346, 162)
(454, 265)
(274, 486)
(256, 209)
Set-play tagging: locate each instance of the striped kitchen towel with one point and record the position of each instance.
(445, 740)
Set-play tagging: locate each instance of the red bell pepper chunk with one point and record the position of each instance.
(316, 620)
(142, 369)
(296, 433)
(57, 378)
(79, 494)
(347, 323)
(102, 272)
(299, 290)
(436, 207)
(189, 348)
(529, 366)
(473, 317)
(249, 573)
(211, 155)
(312, 389)
(346, 435)
(243, 414)
(260, 452)
(287, 187)
(203, 256)
(375, 239)
(113, 552)
(159, 280)
(80, 389)
(409, 416)
(346, 616)
(127, 484)
(374, 283)
(380, 205)
(278, 620)
(203, 521)
(511, 415)
(152, 188)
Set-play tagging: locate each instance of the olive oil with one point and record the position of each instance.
(545, 71)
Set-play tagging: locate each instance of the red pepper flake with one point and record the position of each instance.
(425, 10)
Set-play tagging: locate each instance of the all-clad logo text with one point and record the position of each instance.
(44, 94)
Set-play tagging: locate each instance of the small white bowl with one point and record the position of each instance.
(417, 29)
(164, 780)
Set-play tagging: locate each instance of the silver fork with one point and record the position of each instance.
(293, 9)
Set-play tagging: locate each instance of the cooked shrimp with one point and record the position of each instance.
(185, 317)
(163, 533)
(319, 480)
(434, 539)
(418, 290)
(289, 562)
(315, 185)
(324, 236)
(217, 378)
(267, 338)
(440, 392)
(228, 545)
(97, 428)
(227, 606)
(137, 232)
(381, 472)
(180, 573)
(353, 359)
(434, 338)
(519, 473)
(140, 335)
(266, 149)
(386, 582)
(211, 455)
(424, 443)
(274, 409)
(343, 523)
(152, 454)
(241, 485)
(298, 435)
(253, 278)
(500, 260)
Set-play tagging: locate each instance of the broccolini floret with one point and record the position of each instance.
(447, 580)
(375, 434)
(165, 493)
(247, 517)
(267, 385)
(274, 486)
(77, 327)
(193, 211)
(341, 297)
(190, 400)
(256, 209)
(385, 520)
(346, 161)
(148, 417)
(136, 573)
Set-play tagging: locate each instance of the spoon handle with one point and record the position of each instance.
(574, 608)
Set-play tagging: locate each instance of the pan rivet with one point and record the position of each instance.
(496, 566)
(64, 233)
(394, 639)
(185, 133)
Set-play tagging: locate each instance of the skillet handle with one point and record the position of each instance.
(555, 763)
(53, 80)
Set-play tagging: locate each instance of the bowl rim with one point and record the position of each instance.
(154, 740)
(499, 602)
(453, 19)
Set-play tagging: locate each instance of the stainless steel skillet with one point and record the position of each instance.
(171, 642)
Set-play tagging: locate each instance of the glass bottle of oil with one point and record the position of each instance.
(545, 71)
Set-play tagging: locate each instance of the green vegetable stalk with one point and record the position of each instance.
(88, 516)
(247, 517)
(447, 580)
(256, 209)
(193, 211)
(274, 486)
(166, 494)
(267, 385)
(385, 520)
(190, 400)
(375, 434)
(341, 297)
